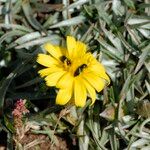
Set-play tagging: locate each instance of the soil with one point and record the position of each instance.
(38, 141)
(2, 147)
(42, 142)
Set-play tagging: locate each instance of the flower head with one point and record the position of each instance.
(20, 109)
(74, 71)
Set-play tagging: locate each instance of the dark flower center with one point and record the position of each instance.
(79, 69)
(64, 59)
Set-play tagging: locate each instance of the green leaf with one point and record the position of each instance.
(51, 38)
(110, 50)
(29, 83)
(69, 22)
(114, 40)
(145, 54)
(127, 45)
(30, 96)
(10, 141)
(17, 7)
(147, 86)
(6, 82)
(130, 3)
(29, 15)
(14, 26)
(4, 86)
(118, 8)
(9, 124)
(104, 15)
(11, 34)
(76, 4)
(28, 37)
(51, 20)
(113, 140)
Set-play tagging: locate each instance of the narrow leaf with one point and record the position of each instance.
(69, 22)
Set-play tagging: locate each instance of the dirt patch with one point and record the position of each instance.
(2, 147)
(34, 141)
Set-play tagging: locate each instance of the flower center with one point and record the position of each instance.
(75, 67)
(66, 62)
(79, 69)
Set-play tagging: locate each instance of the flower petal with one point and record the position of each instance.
(55, 51)
(47, 71)
(90, 90)
(65, 81)
(71, 45)
(63, 96)
(80, 93)
(97, 67)
(80, 49)
(97, 82)
(106, 77)
(99, 70)
(52, 79)
(46, 60)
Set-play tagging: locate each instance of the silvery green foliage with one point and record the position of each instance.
(117, 32)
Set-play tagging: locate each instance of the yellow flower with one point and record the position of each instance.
(74, 71)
